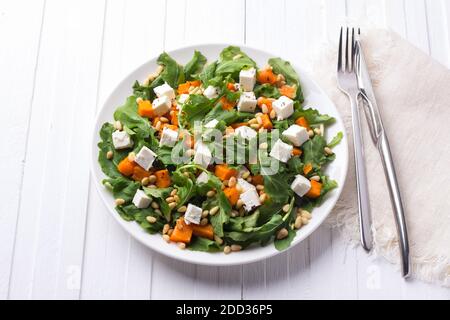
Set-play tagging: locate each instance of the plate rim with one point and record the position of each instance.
(180, 256)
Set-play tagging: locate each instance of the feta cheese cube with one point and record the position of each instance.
(164, 90)
(301, 185)
(202, 155)
(202, 178)
(169, 137)
(247, 79)
(193, 214)
(284, 107)
(121, 140)
(296, 134)
(211, 92)
(145, 158)
(141, 200)
(247, 102)
(250, 199)
(245, 186)
(246, 132)
(281, 151)
(161, 105)
(212, 124)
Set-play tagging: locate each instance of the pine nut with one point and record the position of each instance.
(159, 69)
(218, 240)
(298, 223)
(145, 181)
(174, 192)
(119, 201)
(249, 179)
(131, 156)
(214, 210)
(234, 213)
(227, 249)
(139, 100)
(165, 228)
(310, 133)
(181, 245)
(155, 205)
(255, 126)
(182, 209)
(170, 199)
(259, 114)
(118, 125)
(252, 121)
(260, 122)
(205, 213)
(158, 125)
(163, 119)
(109, 155)
(272, 114)
(172, 205)
(315, 178)
(282, 233)
(210, 193)
(317, 131)
(286, 208)
(306, 214)
(263, 198)
(166, 238)
(232, 182)
(157, 211)
(259, 187)
(245, 175)
(264, 108)
(239, 203)
(263, 145)
(239, 188)
(204, 222)
(328, 151)
(151, 219)
(152, 179)
(186, 174)
(236, 247)
(305, 221)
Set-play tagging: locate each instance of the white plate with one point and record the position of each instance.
(314, 97)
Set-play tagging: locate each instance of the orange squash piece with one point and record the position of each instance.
(145, 109)
(232, 195)
(182, 232)
(240, 124)
(267, 124)
(226, 104)
(288, 91)
(302, 122)
(196, 83)
(266, 76)
(223, 172)
(296, 152)
(307, 168)
(139, 173)
(316, 188)
(126, 167)
(174, 117)
(162, 178)
(203, 231)
(266, 101)
(258, 179)
(184, 88)
(231, 87)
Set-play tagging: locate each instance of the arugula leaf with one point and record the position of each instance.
(228, 116)
(277, 187)
(221, 217)
(312, 116)
(129, 117)
(267, 90)
(194, 66)
(131, 213)
(185, 187)
(172, 73)
(232, 61)
(243, 223)
(256, 233)
(208, 73)
(335, 141)
(109, 167)
(195, 109)
(160, 195)
(313, 152)
(283, 244)
(203, 244)
(284, 67)
(123, 188)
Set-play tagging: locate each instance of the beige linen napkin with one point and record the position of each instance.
(413, 94)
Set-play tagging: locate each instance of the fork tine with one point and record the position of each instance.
(340, 52)
(353, 49)
(347, 60)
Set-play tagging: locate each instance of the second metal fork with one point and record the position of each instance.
(348, 83)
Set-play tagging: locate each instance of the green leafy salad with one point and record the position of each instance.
(218, 156)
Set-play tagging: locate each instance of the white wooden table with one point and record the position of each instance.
(59, 60)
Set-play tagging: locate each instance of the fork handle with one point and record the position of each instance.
(365, 220)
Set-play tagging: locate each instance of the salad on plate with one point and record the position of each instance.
(218, 156)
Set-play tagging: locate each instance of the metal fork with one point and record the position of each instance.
(348, 84)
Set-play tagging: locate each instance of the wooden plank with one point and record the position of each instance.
(49, 245)
(437, 27)
(18, 59)
(416, 24)
(116, 266)
(335, 18)
(395, 16)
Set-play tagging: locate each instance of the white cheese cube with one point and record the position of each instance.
(296, 134)
(211, 92)
(161, 105)
(284, 107)
(247, 102)
(281, 151)
(246, 132)
(145, 158)
(245, 186)
(141, 200)
(250, 199)
(193, 214)
(247, 79)
(212, 124)
(301, 185)
(202, 155)
(169, 137)
(202, 177)
(164, 90)
(121, 140)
